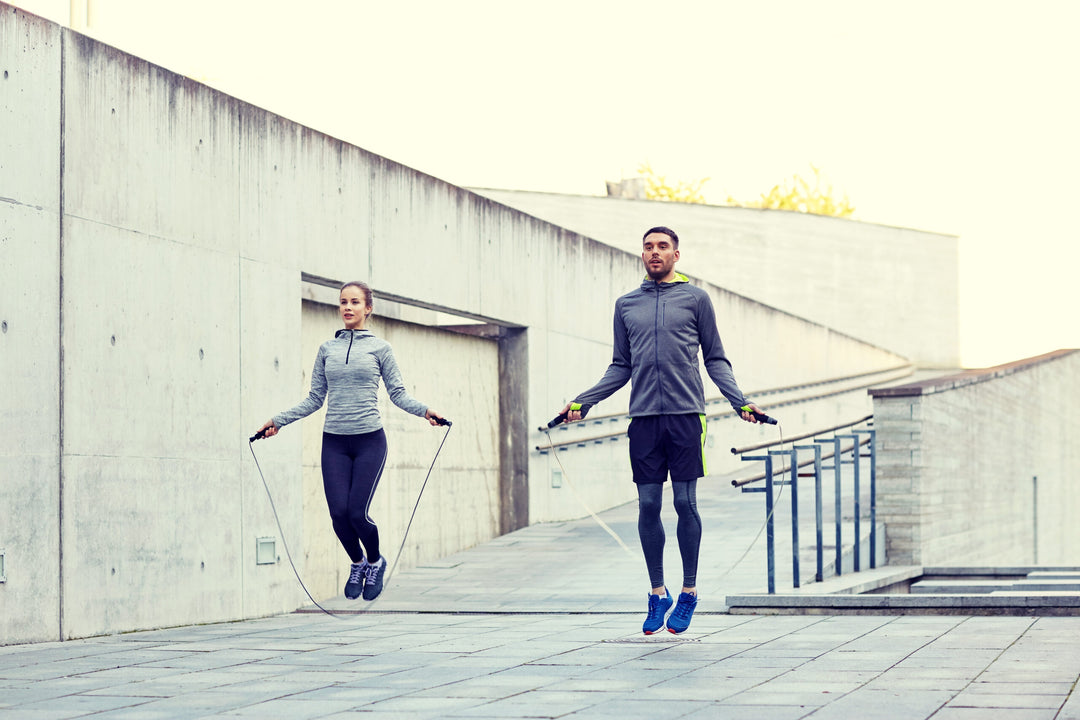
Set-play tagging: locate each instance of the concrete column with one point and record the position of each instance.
(513, 430)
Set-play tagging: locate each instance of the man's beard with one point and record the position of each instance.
(657, 274)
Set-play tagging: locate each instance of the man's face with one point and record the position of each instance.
(659, 254)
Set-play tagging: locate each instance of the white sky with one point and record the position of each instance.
(954, 116)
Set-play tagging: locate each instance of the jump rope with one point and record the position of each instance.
(761, 417)
(584, 409)
(389, 571)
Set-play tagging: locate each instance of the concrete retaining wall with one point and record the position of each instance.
(157, 240)
(30, 450)
(811, 265)
(980, 468)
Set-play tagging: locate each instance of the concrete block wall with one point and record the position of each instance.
(979, 468)
(154, 239)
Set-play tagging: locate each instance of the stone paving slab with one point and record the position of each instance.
(438, 646)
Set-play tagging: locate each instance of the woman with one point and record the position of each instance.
(346, 375)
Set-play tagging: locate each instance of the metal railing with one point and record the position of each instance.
(612, 428)
(841, 444)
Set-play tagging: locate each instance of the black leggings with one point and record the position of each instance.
(651, 529)
(351, 468)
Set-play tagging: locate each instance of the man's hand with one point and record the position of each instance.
(748, 416)
(571, 413)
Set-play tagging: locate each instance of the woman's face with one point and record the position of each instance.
(353, 308)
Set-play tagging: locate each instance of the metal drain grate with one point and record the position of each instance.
(667, 638)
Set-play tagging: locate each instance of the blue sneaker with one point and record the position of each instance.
(658, 609)
(682, 614)
(355, 584)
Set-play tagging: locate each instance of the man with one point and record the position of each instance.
(659, 328)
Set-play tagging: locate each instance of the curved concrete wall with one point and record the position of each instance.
(155, 239)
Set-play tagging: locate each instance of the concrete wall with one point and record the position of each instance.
(817, 267)
(30, 359)
(956, 462)
(156, 242)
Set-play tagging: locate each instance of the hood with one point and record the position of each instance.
(648, 283)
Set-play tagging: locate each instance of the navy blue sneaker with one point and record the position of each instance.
(374, 580)
(355, 584)
(682, 614)
(658, 609)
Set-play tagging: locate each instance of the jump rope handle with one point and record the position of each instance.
(760, 417)
(562, 416)
(443, 421)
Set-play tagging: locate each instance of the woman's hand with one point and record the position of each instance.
(433, 417)
(269, 429)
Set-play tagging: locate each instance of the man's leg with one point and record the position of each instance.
(649, 462)
(687, 460)
(689, 531)
(651, 532)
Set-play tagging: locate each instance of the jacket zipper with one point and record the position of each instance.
(350, 348)
(656, 348)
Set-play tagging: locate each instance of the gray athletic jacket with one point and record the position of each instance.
(658, 330)
(346, 375)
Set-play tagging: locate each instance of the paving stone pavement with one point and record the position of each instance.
(545, 623)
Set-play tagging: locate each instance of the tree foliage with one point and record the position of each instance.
(814, 196)
(657, 187)
(807, 195)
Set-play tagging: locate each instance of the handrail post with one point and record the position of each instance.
(770, 542)
(873, 495)
(819, 554)
(837, 509)
(794, 482)
(857, 565)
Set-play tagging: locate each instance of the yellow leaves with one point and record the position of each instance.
(801, 195)
(814, 195)
(657, 187)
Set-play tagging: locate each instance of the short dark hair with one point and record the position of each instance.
(665, 231)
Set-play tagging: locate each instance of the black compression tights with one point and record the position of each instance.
(351, 467)
(651, 529)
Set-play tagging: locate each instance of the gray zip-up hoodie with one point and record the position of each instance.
(346, 375)
(658, 330)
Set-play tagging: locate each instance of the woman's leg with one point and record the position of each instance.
(689, 529)
(337, 471)
(368, 462)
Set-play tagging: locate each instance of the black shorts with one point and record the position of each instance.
(663, 444)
